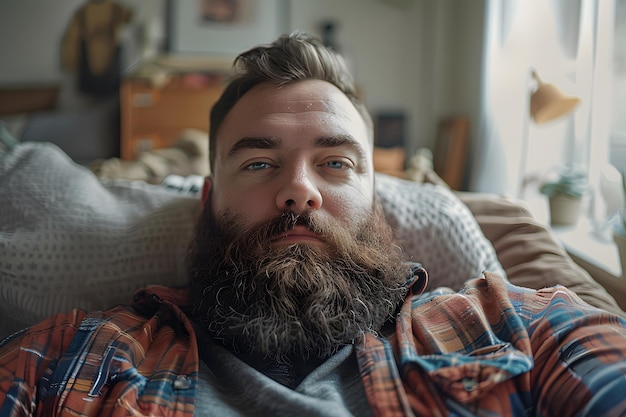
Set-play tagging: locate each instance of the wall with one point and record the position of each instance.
(32, 30)
(383, 44)
(30, 34)
(421, 57)
(455, 39)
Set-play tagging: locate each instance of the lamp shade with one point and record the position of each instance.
(548, 102)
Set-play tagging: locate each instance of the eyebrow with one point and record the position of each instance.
(341, 140)
(335, 141)
(274, 143)
(254, 143)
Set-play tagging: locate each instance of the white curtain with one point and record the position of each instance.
(568, 42)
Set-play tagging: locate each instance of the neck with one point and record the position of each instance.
(289, 372)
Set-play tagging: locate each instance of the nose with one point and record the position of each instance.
(299, 192)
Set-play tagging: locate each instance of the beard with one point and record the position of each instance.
(295, 301)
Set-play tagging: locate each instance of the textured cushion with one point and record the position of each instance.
(436, 229)
(68, 240)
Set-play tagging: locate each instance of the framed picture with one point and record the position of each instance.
(222, 27)
(451, 147)
(390, 129)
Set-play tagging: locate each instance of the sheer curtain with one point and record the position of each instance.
(569, 43)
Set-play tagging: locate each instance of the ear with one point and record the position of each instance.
(206, 189)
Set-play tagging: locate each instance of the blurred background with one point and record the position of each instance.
(451, 78)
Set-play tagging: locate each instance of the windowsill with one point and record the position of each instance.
(581, 241)
(596, 254)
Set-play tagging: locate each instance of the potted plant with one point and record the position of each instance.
(565, 194)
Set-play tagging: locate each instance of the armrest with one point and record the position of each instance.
(529, 251)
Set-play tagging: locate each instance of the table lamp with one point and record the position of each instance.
(547, 103)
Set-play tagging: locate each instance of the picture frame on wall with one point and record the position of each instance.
(223, 11)
(390, 129)
(222, 27)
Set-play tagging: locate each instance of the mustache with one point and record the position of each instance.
(261, 235)
(287, 221)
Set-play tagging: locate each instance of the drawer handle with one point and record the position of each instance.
(145, 99)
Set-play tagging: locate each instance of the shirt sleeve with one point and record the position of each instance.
(26, 359)
(579, 354)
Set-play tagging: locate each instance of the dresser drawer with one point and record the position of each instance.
(153, 117)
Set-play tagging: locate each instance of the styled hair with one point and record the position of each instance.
(290, 58)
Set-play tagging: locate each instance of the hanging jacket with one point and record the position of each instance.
(91, 46)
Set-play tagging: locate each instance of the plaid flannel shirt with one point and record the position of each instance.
(490, 349)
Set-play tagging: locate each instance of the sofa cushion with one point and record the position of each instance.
(69, 240)
(436, 229)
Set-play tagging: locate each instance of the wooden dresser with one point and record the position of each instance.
(153, 116)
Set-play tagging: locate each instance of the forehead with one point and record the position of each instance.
(298, 97)
(313, 104)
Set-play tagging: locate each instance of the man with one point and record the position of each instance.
(299, 302)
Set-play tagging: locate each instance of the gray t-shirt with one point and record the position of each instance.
(229, 387)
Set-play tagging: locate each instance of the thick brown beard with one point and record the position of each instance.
(295, 301)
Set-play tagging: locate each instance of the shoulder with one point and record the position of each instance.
(49, 332)
(26, 356)
(79, 346)
(495, 296)
(52, 337)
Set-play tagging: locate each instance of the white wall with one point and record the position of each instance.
(30, 35)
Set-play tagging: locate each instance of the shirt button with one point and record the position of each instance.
(469, 384)
(182, 382)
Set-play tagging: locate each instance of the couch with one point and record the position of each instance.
(69, 239)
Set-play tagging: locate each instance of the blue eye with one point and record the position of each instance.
(257, 166)
(335, 164)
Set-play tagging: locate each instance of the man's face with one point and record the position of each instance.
(292, 257)
(299, 147)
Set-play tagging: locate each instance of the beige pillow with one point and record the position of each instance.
(529, 251)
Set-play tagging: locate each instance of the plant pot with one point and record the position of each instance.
(564, 209)
(620, 241)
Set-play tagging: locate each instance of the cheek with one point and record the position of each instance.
(253, 205)
(349, 206)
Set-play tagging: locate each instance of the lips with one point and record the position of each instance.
(299, 234)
